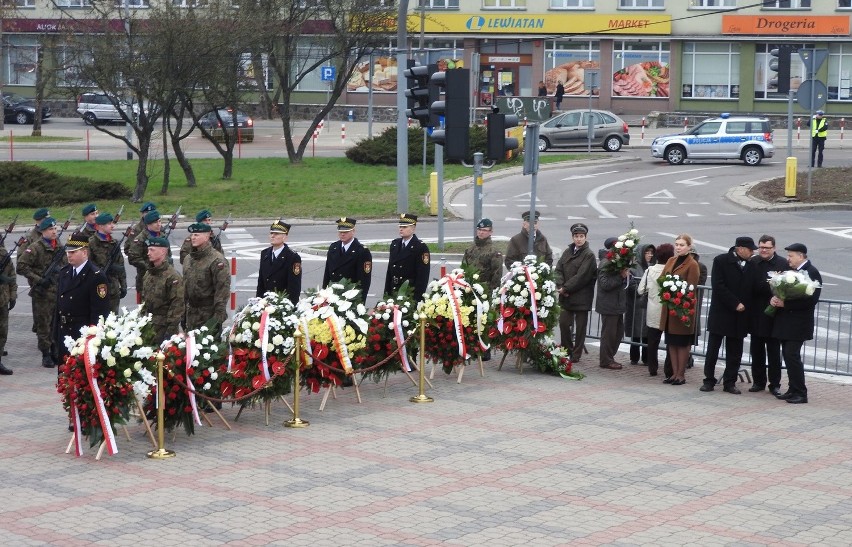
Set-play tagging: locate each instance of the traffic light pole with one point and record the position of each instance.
(439, 168)
(477, 189)
(401, 104)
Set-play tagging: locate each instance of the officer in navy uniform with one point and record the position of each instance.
(348, 259)
(280, 267)
(82, 293)
(409, 259)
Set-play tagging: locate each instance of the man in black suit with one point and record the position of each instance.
(764, 348)
(409, 259)
(280, 267)
(794, 323)
(82, 294)
(730, 279)
(348, 259)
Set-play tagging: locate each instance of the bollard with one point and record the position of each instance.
(433, 193)
(798, 130)
(643, 128)
(443, 266)
(525, 121)
(88, 146)
(320, 126)
(343, 133)
(790, 177)
(233, 280)
(314, 145)
(842, 127)
(685, 124)
(297, 422)
(161, 453)
(421, 365)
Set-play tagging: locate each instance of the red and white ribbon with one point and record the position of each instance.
(309, 359)
(399, 335)
(449, 283)
(78, 431)
(237, 321)
(264, 340)
(191, 354)
(89, 356)
(532, 288)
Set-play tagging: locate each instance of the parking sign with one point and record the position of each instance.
(327, 73)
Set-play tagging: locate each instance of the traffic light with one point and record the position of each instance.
(420, 93)
(779, 62)
(455, 108)
(498, 144)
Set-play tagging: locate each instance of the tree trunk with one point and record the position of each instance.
(142, 170)
(180, 156)
(167, 166)
(39, 89)
(228, 171)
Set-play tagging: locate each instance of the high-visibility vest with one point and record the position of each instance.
(819, 128)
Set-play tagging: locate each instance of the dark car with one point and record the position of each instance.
(213, 124)
(22, 110)
(571, 129)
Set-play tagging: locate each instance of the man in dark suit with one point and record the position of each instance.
(764, 348)
(82, 293)
(280, 267)
(794, 323)
(348, 259)
(730, 279)
(409, 259)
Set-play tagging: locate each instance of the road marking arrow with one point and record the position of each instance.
(662, 194)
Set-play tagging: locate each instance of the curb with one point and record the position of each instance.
(738, 195)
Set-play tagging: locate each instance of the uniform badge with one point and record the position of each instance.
(102, 290)
(220, 265)
(425, 258)
(297, 268)
(368, 267)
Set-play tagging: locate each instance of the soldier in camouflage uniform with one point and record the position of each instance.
(483, 257)
(206, 217)
(101, 246)
(33, 264)
(139, 227)
(137, 251)
(163, 295)
(8, 297)
(206, 281)
(519, 244)
(33, 235)
(90, 213)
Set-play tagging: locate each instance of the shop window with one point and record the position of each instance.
(839, 81)
(786, 4)
(640, 69)
(711, 71)
(712, 4)
(572, 4)
(641, 4)
(504, 4)
(567, 62)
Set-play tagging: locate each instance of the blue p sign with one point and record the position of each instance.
(327, 73)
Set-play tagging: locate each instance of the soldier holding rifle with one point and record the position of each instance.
(105, 253)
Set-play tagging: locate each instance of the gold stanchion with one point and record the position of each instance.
(161, 453)
(422, 398)
(296, 421)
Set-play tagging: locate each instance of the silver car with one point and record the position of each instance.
(571, 129)
(741, 138)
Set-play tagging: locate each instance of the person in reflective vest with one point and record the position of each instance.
(819, 131)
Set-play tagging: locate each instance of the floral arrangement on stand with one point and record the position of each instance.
(790, 285)
(527, 312)
(390, 324)
(457, 312)
(678, 298)
(108, 370)
(198, 361)
(623, 252)
(260, 345)
(336, 324)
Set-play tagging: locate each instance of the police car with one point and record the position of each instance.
(728, 137)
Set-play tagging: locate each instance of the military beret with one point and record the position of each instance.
(104, 218)
(77, 241)
(157, 242)
(148, 206)
(199, 228)
(89, 209)
(280, 227)
(41, 214)
(797, 248)
(346, 224)
(609, 242)
(46, 223)
(407, 219)
(485, 223)
(579, 228)
(203, 215)
(151, 217)
(526, 215)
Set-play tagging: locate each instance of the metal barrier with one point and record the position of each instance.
(829, 352)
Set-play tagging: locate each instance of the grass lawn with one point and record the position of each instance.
(319, 188)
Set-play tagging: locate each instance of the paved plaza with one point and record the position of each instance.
(618, 458)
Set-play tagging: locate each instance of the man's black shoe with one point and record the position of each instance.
(755, 389)
(707, 387)
(775, 391)
(732, 389)
(5, 353)
(797, 400)
(47, 361)
(785, 396)
(5, 371)
(487, 355)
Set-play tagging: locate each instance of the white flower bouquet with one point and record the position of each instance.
(790, 285)
(623, 252)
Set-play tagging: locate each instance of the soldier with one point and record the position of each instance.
(348, 259)
(139, 227)
(34, 264)
(101, 247)
(484, 257)
(137, 252)
(206, 217)
(90, 213)
(163, 295)
(207, 281)
(409, 259)
(519, 243)
(34, 233)
(82, 293)
(8, 297)
(280, 266)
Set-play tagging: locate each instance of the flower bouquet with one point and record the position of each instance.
(198, 361)
(527, 309)
(456, 312)
(678, 297)
(335, 323)
(562, 365)
(260, 345)
(790, 285)
(108, 367)
(390, 324)
(623, 252)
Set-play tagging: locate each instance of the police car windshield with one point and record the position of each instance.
(706, 128)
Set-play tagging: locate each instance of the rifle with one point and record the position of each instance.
(172, 223)
(113, 254)
(8, 257)
(12, 227)
(118, 214)
(222, 229)
(65, 226)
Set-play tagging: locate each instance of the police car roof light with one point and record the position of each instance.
(725, 115)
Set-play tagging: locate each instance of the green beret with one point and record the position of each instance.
(151, 217)
(148, 206)
(89, 209)
(41, 214)
(485, 223)
(203, 215)
(46, 224)
(199, 228)
(104, 218)
(157, 242)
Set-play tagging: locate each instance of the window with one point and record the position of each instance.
(132, 3)
(713, 4)
(504, 4)
(707, 128)
(74, 3)
(188, 3)
(839, 81)
(641, 69)
(25, 3)
(438, 4)
(567, 62)
(711, 70)
(21, 60)
(641, 4)
(786, 4)
(765, 80)
(572, 4)
(844, 4)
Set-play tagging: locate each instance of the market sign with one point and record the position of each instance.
(786, 25)
(556, 24)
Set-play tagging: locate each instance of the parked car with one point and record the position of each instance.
(97, 107)
(22, 110)
(214, 120)
(571, 129)
(725, 138)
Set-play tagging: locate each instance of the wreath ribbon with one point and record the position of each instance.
(103, 416)
(264, 341)
(449, 282)
(78, 437)
(191, 354)
(339, 342)
(399, 335)
(532, 288)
